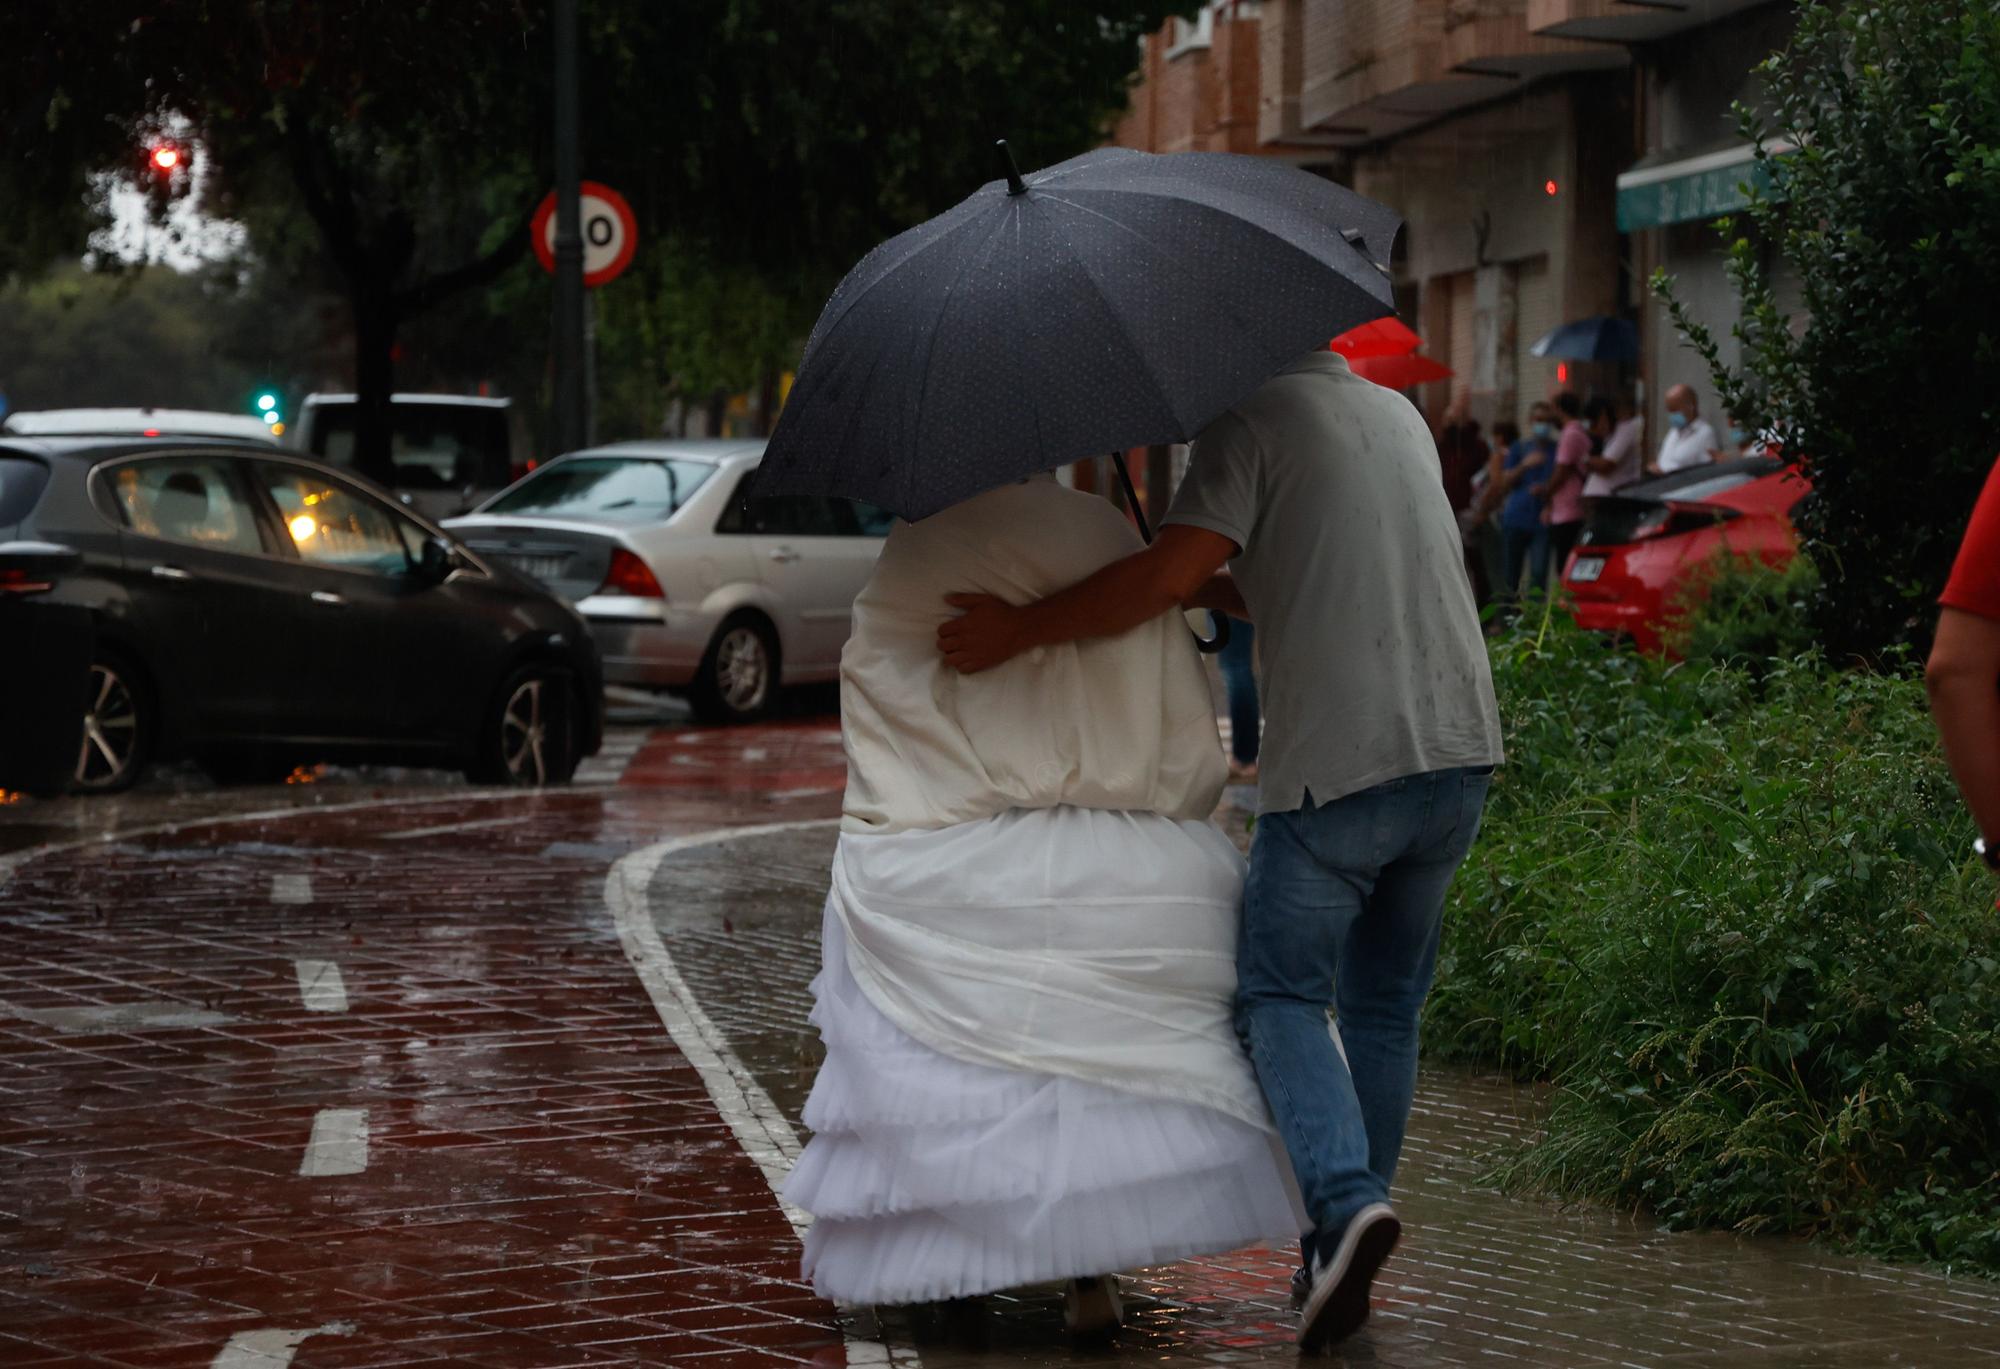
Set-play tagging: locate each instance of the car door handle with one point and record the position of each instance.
(327, 596)
(174, 573)
(783, 554)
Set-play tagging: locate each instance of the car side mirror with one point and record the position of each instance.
(436, 561)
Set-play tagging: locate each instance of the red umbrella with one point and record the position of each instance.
(1400, 372)
(1385, 337)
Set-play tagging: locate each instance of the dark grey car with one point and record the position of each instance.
(253, 609)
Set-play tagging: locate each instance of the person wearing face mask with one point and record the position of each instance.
(1737, 441)
(1617, 465)
(1690, 441)
(1524, 537)
(1582, 434)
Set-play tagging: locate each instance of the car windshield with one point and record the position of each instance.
(1708, 489)
(431, 446)
(625, 489)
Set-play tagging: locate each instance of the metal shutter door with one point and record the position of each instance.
(1534, 314)
(1463, 357)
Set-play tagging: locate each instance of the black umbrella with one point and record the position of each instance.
(1601, 337)
(1115, 300)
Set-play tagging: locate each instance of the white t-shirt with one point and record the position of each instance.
(1622, 447)
(1685, 447)
(1350, 560)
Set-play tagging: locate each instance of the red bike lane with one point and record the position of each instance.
(378, 1085)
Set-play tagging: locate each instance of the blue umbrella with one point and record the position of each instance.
(1116, 300)
(1600, 337)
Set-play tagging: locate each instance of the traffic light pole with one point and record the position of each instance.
(571, 421)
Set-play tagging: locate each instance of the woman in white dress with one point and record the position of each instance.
(1029, 946)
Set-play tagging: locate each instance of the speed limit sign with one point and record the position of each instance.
(610, 233)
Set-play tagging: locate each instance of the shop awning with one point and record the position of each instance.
(1683, 187)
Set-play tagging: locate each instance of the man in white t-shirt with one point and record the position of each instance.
(1689, 440)
(1618, 465)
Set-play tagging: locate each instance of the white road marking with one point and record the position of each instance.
(156, 1014)
(321, 987)
(14, 860)
(339, 1143)
(291, 889)
(271, 1349)
(760, 1127)
(753, 754)
(413, 833)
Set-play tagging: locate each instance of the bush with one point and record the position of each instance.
(1888, 209)
(1739, 611)
(1734, 919)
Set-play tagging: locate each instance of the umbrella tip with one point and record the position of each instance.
(1015, 185)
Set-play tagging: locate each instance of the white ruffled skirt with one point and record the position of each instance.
(932, 1178)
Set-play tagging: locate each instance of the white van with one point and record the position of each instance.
(450, 452)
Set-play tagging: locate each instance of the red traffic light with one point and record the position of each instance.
(166, 157)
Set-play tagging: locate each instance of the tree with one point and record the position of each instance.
(1883, 151)
(404, 147)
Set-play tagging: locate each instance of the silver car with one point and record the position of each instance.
(687, 586)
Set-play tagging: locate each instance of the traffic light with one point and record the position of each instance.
(164, 158)
(269, 406)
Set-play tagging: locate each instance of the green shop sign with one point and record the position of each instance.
(1690, 189)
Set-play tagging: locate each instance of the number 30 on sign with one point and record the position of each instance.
(610, 233)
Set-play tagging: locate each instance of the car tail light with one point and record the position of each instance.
(629, 576)
(15, 580)
(521, 470)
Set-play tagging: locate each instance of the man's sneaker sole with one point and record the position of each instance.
(1092, 1307)
(1338, 1303)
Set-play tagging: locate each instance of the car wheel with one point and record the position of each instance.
(117, 729)
(738, 680)
(530, 739)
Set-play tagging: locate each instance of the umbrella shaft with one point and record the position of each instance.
(1132, 496)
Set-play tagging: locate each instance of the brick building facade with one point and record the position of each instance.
(1500, 129)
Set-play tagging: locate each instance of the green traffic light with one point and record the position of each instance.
(267, 401)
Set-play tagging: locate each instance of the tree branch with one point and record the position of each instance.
(332, 209)
(427, 294)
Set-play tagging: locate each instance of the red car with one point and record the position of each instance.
(1641, 545)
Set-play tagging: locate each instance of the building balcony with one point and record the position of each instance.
(1366, 70)
(1486, 39)
(1628, 21)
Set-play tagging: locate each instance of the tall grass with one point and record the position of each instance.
(1727, 907)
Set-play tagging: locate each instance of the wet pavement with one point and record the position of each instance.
(389, 1070)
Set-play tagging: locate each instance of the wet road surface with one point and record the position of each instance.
(406, 1072)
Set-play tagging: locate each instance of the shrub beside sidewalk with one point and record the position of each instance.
(1727, 906)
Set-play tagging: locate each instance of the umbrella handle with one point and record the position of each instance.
(1207, 646)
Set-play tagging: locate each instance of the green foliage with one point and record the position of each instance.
(154, 337)
(1735, 920)
(1889, 210)
(395, 152)
(1741, 612)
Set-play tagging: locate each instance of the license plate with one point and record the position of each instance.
(1586, 569)
(543, 568)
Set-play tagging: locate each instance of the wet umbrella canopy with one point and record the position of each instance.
(1117, 299)
(1601, 337)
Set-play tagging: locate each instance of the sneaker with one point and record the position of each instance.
(1338, 1302)
(1092, 1307)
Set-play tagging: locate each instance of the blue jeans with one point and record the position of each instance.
(1240, 682)
(1527, 547)
(1342, 911)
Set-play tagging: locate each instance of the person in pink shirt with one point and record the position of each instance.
(1564, 492)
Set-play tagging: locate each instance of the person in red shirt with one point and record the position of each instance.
(1963, 673)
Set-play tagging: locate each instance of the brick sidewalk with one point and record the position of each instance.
(372, 1087)
(1480, 1278)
